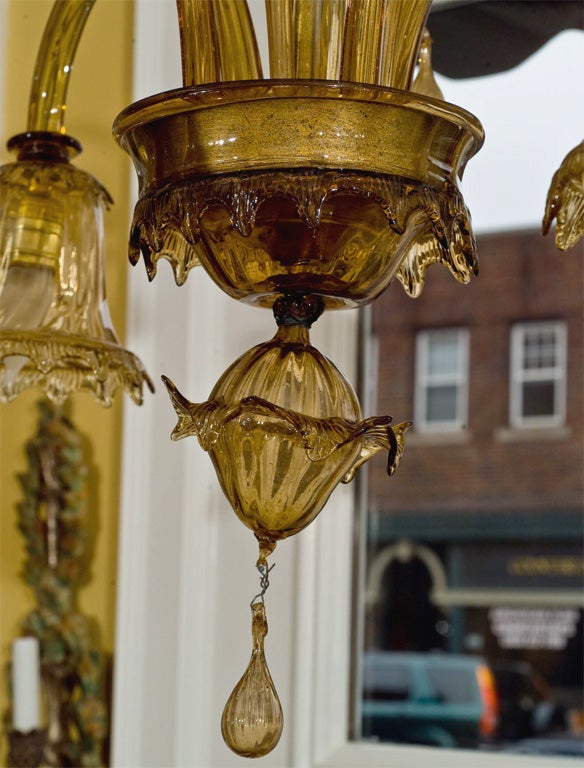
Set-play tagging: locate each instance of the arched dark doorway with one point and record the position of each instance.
(409, 620)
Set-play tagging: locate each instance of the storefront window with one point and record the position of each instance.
(472, 627)
(473, 624)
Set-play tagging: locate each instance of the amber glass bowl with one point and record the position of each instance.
(313, 187)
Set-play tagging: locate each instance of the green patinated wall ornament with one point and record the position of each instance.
(53, 520)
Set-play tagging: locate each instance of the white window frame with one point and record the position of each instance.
(186, 563)
(424, 381)
(519, 375)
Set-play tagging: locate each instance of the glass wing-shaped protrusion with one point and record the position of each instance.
(565, 200)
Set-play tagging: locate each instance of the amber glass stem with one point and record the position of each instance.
(329, 41)
(280, 23)
(239, 54)
(404, 26)
(305, 22)
(363, 41)
(198, 42)
(305, 38)
(319, 38)
(54, 63)
(217, 41)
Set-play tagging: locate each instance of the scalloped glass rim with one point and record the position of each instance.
(199, 147)
(421, 226)
(62, 364)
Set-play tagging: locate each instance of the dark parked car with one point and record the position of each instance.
(424, 698)
(525, 706)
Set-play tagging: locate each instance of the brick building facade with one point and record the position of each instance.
(485, 513)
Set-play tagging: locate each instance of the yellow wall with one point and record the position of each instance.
(100, 87)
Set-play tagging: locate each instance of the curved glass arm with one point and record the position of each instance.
(46, 111)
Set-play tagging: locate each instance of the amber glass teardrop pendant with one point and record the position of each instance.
(252, 720)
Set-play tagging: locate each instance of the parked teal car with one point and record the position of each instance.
(437, 699)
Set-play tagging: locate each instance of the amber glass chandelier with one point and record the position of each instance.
(306, 191)
(55, 329)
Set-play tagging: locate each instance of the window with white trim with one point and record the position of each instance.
(538, 374)
(441, 379)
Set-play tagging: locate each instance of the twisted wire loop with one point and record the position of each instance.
(264, 572)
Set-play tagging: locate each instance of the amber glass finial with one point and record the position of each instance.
(252, 720)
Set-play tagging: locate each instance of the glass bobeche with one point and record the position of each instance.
(301, 186)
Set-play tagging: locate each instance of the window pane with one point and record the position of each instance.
(539, 349)
(385, 678)
(453, 686)
(441, 403)
(538, 398)
(443, 353)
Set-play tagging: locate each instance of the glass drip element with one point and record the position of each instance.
(283, 427)
(252, 720)
(565, 200)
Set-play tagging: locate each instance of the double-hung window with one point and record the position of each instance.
(538, 374)
(441, 379)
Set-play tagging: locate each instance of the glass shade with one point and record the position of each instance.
(55, 329)
(565, 200)
(283, 427)
(301, 186)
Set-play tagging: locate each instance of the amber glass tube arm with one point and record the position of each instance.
(47, 107)
(217, 42)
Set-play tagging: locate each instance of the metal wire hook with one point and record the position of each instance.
(264, 582)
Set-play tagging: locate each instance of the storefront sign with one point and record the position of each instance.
(528, 628)
(551, 566)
